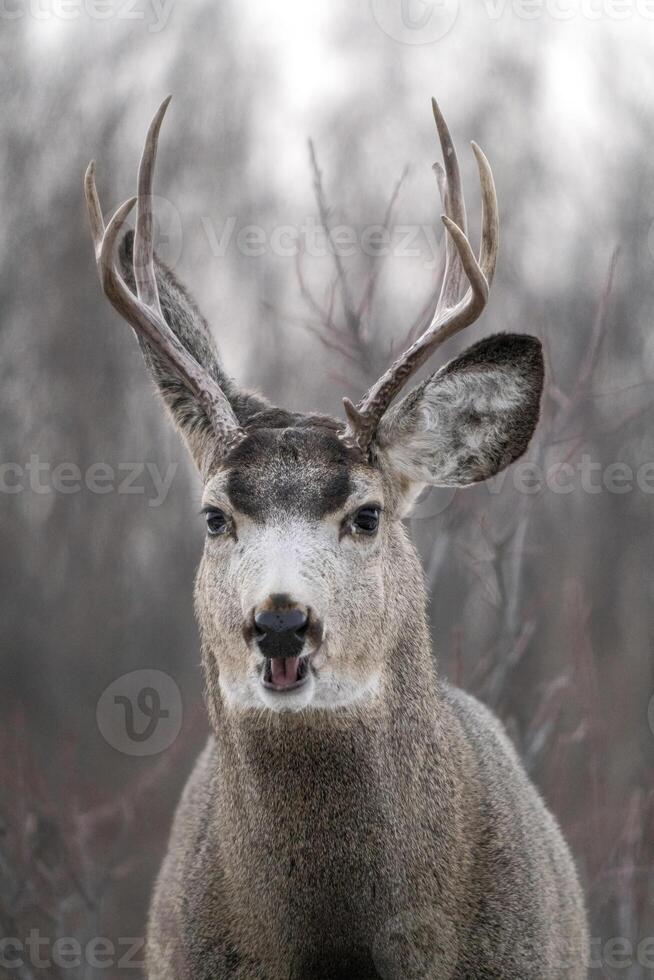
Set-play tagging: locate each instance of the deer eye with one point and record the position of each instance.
(366, 520)
(217, 522)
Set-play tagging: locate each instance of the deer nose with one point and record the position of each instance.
(281, 633)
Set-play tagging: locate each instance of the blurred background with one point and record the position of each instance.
(540, 584)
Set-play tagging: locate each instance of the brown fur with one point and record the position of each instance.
(303, 843)
(397, 836)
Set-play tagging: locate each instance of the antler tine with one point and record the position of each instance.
(451, 192)
(146, 283)
(93, 208)
(143, 311)
(452, 313)
(490, 219)
(150, 324)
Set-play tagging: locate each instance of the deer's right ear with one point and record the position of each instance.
(191, 329)
(206, 405)
(470, 419)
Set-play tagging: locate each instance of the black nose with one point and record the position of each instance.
(281, 633)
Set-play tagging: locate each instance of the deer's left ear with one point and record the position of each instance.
(468, 420)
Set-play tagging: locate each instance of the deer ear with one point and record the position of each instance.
(468, 420)
(191, 329)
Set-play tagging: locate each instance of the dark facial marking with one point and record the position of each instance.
(303, 471)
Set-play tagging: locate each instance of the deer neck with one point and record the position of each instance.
(277, 754)
(310, 813)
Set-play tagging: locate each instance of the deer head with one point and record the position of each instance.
(308, 580)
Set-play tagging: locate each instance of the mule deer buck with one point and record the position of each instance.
(353, 816)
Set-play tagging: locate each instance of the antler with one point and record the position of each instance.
(143, 311)
(453, 312)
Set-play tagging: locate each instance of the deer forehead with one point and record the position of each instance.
(304, 472)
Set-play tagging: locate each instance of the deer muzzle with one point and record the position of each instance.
(280, 636)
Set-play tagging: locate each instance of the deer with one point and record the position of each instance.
(353, 815)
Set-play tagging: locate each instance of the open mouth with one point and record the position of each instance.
(285, 673)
